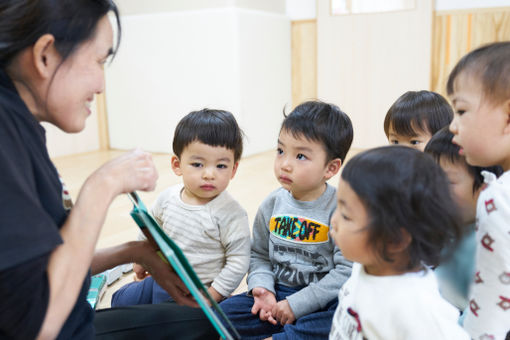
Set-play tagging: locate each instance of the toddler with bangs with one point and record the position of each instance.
(210, 227)
(479, 88)
(415, 117)
(394, 217)
(455, 274)
(295, 269)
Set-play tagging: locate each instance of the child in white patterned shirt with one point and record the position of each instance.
(479, 87)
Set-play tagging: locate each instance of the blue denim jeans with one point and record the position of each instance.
(312, 326)
(142, 292)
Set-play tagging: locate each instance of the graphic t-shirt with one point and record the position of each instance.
(291, 246)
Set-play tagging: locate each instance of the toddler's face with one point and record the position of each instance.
(417, 142)
(461, 183)
(479, 126)
(348, 227)
(206, 171)
(300, 166)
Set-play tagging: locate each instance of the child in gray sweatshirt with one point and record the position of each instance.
(296, 270)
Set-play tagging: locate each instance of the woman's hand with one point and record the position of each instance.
(140, 272)
(132, 171)
(163, 274)
(72, 259)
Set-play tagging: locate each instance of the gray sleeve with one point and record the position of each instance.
(235, 238)
(261, 273)
(317, 295)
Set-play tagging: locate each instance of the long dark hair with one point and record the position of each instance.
(71, 22)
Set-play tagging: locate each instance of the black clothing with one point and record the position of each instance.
(32, 212)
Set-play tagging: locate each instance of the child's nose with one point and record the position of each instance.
(454, 125)
(208, 173)
(286, 164)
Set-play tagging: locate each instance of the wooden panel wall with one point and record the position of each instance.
(102, 122)
(304, 60)
(457, 32)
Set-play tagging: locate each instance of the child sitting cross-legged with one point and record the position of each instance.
(295, 269)
(208, 225)
(395, 215)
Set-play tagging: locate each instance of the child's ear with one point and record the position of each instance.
(234, 169)
(176, 165)
(405, 241)
(332, 168)
(506, 107)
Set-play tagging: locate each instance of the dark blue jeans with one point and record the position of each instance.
(142, 292)
(312, 326)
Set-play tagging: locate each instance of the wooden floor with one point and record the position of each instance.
(254, 180)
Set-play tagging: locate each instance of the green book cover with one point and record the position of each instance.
(171, 253)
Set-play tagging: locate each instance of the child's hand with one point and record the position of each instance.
(264, 301)
(214, 294)
(140, 272)
(283, 313)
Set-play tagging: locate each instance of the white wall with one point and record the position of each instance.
(301, 9)
(236, 100)
(366, 61)
(265, 77)
(306, 9)
(172, 63)
(169, 64)
(133, 7)
(444, 5)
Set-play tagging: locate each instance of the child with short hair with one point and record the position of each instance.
(295, 269)
(479, 87)
(394, 216)
(455, 274)
(415, 117)
(210, 227)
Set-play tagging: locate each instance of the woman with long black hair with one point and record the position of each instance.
(51, 66)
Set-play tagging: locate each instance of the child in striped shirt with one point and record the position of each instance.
(208, 225)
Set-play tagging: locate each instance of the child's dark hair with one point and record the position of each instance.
(440, 146)
(418, 111)
(211, 127)
(401, 187)
(490, 64)
(324, 123)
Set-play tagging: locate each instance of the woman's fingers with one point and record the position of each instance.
(132, 171)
